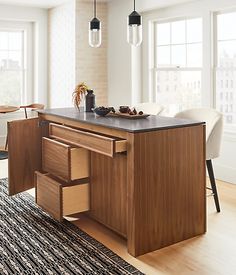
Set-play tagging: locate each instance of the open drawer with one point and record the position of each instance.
(58, 199)
(98, 143)
(64, 161)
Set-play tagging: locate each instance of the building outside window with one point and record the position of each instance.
(178, 64)
(12, 76)
(225, 47)
(16, 64)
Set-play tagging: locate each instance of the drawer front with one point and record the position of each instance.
(64, 161)
(93, 142)
(58, 200)
(49, 195)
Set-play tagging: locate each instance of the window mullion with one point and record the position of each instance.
(170, 43)
(186, 49)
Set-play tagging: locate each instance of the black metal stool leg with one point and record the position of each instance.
(213, 184)
(6, 144)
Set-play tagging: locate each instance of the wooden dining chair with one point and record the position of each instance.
(214, 129)
(32, 107)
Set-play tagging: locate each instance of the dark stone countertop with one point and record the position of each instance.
(151, 123)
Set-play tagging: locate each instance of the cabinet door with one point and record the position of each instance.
(24, 149)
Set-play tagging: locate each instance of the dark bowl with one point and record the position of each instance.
(102, 112)
(124, 109)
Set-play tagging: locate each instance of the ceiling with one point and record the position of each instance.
(34, 3)
(53, 3)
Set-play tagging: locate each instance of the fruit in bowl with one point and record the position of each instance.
(102, 111)
(124, 109)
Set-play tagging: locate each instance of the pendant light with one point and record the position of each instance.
(95, 33)
(134, 28)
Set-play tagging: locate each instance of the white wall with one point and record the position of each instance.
(124, 85)
(119, 54)
(61, 54)
(71, 59)
(91, 63)
(225, 166)
(38, 17)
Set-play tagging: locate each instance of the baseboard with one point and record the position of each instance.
(225, 173)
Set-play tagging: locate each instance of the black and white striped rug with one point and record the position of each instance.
(31, 242)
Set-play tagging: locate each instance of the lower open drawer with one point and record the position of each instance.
(58, 199)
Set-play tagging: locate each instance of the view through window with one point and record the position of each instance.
(226, 67)
(11, 67)
(178, 64)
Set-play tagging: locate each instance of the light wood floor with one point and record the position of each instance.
(212, 253)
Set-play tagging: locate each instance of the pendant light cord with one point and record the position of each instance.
(134, 5)
(95, 8)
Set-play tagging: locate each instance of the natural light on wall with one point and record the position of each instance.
(226, 67)
(178, 64)
(11, 67)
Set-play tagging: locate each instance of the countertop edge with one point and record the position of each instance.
(197, 123)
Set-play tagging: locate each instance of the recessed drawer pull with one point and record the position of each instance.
(97, 143)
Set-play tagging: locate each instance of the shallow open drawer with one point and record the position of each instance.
(94, 142)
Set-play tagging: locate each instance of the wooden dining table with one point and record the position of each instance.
(3, 110)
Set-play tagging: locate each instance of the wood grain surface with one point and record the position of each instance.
(75, 199)
(8, 109)
(109, 191)
(24, 147)
(93, 142)
(64, 161)
(60, 201)
(49, 195)
(84, 126)
(166, 188)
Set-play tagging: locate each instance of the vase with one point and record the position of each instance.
(89, 101)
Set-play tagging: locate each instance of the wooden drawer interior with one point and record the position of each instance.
(64, 161)
(61, 200)
(97, 143)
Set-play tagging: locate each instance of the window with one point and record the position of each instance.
(178, 64)
(11, 67)
(16, 65)
(226, 65)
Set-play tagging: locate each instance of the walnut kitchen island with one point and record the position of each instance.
(144, 178)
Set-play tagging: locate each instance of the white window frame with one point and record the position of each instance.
(228, 129)
(27, 27)
(154, 68)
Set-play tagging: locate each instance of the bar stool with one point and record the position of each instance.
(214, 129)
(149, 108)
(34, 106)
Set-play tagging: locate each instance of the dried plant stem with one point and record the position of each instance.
(79, 93)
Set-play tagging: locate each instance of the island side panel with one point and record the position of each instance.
(108, 191)
(166, 188)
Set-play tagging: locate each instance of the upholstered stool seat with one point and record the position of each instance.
(214, 129)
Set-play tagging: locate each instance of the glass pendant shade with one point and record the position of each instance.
(95, 33)
(135, 35)
(134, 29)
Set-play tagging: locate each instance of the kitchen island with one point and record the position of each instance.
(144, 178)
